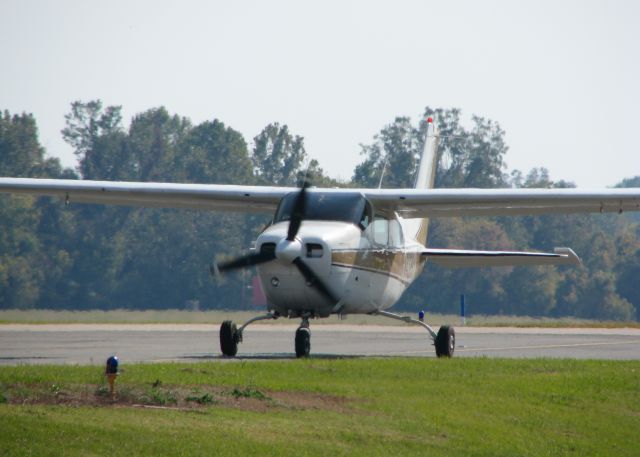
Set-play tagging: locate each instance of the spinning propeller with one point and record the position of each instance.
(288, 250)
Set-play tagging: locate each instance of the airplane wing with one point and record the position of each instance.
(410, 203)
(458, 258)
(160, 195)
(416, 203)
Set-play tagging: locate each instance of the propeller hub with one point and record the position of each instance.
(287, 251)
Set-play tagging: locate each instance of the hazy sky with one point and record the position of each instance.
(561, 77)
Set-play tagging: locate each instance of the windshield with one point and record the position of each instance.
(328, 206)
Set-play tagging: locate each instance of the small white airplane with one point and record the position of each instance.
(347, 251)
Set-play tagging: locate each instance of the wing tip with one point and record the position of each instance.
(569, 254)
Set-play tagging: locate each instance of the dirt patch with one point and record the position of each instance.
(157, 395)
(305, 400)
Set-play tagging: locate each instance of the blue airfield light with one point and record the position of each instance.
(421, 316)
(111, 371)
(112, 365)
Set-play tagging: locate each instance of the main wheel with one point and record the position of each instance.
(303, 342)
(445, 341)
(229, 338)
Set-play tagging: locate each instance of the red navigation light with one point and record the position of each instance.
(429, 119)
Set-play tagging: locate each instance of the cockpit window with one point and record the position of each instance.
(328, 206)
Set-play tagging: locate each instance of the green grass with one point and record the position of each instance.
(369, 407)
(174, 316)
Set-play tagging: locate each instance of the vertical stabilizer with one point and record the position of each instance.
(428, 160)
(425, 177)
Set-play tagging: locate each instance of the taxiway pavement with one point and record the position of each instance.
(93, 343)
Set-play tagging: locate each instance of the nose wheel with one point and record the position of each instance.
(303, 342)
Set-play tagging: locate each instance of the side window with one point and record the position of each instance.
(380, 230)
(384, 232)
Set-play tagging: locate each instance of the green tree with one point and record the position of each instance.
(392, 158)
(531, 291)
(20, 151)
(277, 156)
(469, 157)
(627, 267)
(214, 153)
(166, 253)
(96, 135)
(27, 247)
(629, 182)
(598, 299)
(154, 141)
(315, 175)
(19, 250)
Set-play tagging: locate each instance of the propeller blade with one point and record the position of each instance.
(244, 261)
(313, 279)
(298, 212)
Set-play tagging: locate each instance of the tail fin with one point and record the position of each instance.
(425, 179)
(426, 176)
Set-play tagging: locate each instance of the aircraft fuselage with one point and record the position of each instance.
(366, 267)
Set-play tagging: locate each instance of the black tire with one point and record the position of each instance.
(229, 338)
(303, 342)
(445, 341)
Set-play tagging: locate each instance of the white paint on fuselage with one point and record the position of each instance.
(361, 291)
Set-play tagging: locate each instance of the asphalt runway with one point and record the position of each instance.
(93, 343)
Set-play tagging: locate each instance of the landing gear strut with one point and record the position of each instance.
(444, 341)
(230, 335)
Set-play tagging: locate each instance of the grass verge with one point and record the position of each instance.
(174, 316)
(480, 407)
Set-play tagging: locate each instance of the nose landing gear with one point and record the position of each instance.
(303, 339)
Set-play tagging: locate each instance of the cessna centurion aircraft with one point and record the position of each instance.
(347, 251)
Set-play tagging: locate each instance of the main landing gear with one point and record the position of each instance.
(444, 341)
(231, 336)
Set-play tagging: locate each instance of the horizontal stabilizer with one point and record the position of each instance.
(458, 258)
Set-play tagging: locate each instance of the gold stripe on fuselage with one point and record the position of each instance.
(398, 264)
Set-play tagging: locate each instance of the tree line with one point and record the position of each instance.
(80, 256)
